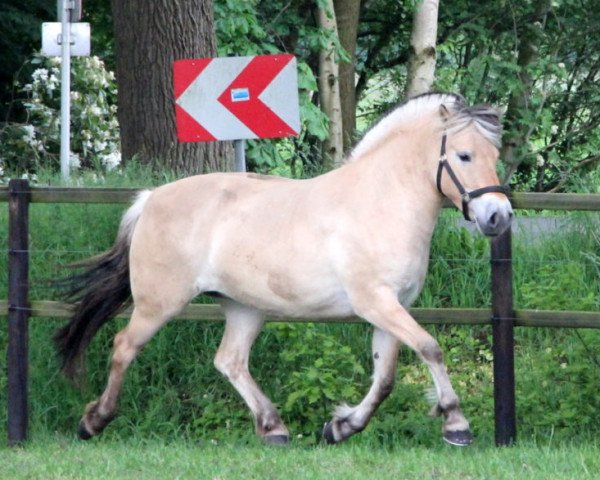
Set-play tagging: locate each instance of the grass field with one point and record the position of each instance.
(59, 457)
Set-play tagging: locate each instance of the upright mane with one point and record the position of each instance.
(485, 118)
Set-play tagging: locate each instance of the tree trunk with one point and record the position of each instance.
(149, 36)
(518, 131)
(421, 64)
(329, 90)
(347, 13)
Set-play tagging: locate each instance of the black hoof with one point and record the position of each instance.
(277, 440)
(83, 433)
(328, 434)
(461, 438)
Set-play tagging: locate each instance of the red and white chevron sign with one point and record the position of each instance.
(235, 98)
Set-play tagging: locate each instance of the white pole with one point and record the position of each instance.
(240, 155)
(65, 91)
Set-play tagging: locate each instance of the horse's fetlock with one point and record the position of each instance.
(449, 404)
(94, 419)
(345, 428)
(269, 422)
(387, 385)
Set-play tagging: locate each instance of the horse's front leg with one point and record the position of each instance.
(381, 308)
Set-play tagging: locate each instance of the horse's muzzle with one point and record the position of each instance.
(492, 215)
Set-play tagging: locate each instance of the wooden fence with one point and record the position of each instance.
(501, 316)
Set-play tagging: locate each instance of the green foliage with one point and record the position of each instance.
(566, 371)
(550, 92)
(549, 89)
(315, 371)
(35, 143)
(247, 28)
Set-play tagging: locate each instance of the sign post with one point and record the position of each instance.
(236, 98)
(66, 39)
(239, 147)
(65, 90)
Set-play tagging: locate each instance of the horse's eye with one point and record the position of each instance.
(464, 156)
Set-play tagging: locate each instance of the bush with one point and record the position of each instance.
(35, 143)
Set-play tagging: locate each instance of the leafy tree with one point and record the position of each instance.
(538, 60)
(347, 13)
(20, 24)
(149, 37)
(541, 61)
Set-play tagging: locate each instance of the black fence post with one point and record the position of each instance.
(18, 309)
(503, 339)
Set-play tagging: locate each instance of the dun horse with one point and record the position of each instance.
(352, 241)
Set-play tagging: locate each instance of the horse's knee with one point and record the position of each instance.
(221, 363)
(228, 365)
(431, 352)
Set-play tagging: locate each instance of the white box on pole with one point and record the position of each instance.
(52, 39)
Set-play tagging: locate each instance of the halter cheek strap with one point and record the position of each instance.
(465, 196)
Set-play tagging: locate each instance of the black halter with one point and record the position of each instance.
(466, 197)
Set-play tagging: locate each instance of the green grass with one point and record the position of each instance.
(60, 457)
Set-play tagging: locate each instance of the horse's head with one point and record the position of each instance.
(467, 166)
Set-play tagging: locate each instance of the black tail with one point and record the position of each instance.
(99, 292)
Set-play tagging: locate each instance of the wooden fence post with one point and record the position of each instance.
(503, 319)
(18, 309)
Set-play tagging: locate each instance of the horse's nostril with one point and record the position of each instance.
(493, 220)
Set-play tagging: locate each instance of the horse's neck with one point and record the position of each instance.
(405, 197)
(401, 172)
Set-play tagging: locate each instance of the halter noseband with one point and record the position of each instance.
(465, 196)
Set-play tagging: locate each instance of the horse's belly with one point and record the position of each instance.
(309, 292)
(330, 307)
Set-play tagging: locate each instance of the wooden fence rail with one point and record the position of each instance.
(502, 316)
(425, 316)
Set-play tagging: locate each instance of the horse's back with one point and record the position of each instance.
(252, 238)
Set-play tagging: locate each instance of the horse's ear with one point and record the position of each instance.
(444, 112)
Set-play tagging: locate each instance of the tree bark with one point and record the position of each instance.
(347, 13)
(149, 36)
(329, 90)
(421, 64)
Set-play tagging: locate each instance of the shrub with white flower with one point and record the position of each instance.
(35, 143)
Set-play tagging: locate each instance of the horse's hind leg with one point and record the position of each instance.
(127, 343)
(350, 420)
(241, 329)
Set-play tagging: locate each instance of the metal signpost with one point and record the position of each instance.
(66, 39)
(236, 98)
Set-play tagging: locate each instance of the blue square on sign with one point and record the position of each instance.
(240, 94)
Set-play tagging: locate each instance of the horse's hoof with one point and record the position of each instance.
(327, 434)
(83, 432)
(460, 438)
(278, 440)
